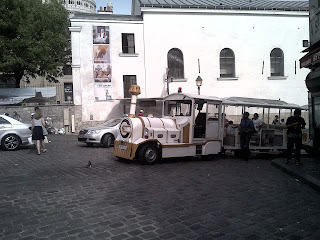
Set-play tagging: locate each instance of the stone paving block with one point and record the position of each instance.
(69, 238)
(11, 237)
(120, 237)
(148, 235)
(103, 235)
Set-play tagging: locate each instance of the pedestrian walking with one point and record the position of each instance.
(35, 109)
(245, 131)
(37, 130)
(294, 125)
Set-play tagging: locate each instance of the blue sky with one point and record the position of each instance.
(119, 6)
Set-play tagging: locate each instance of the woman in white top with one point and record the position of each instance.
(37, 132)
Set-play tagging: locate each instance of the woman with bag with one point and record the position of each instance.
(37, 130)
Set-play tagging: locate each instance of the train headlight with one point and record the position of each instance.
(125, 128)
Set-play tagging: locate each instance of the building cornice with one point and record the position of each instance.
(224, 11)
(75, 29)
(104, 21)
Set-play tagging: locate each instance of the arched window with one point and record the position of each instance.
(276, 62)
(227, 63)
(175, 64)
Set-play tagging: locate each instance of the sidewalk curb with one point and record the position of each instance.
(295, 172)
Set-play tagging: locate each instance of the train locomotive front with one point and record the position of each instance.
(143, 138)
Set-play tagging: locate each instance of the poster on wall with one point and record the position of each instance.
(101, 54)
(102, 64)
(102, 72)
(100, 35)
(102, 91)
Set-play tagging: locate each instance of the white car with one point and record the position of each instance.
(13, 133)
(103, 134)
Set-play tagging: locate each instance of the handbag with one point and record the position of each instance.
(46, 139)
(30, 140)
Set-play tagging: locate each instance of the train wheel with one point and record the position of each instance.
(149, 154)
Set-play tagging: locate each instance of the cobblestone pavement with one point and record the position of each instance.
(53, 196)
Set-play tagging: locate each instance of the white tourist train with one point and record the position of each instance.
(196, 125)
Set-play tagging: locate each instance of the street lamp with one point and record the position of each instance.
(199, 83)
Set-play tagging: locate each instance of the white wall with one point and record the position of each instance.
(82, 59)
(251, 35)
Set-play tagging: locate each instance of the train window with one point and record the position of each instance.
(177, 108)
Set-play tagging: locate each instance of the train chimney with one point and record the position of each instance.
(135, 91)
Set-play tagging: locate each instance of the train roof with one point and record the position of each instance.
(189, 96)
(257, 102)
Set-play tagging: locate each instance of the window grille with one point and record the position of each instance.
(128, 80)
(128, 43)
(227, 63)
(276, 62)
(175, 64)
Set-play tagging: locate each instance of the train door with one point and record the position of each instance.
(213, 121)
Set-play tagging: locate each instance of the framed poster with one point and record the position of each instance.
(100, 34)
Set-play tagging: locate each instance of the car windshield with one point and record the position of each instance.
(111, 123)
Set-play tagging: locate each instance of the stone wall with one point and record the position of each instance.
(57, 113)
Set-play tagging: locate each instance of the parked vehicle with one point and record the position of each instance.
(195, 125)
(13, 133)
(103, 135)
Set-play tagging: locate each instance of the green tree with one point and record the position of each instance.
(34, 39)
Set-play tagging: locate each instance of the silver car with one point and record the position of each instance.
(13, 133)
(103, 134)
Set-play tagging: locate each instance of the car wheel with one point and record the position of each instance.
(107, 140)
(10, 142)
(90, 144)
(149, 154)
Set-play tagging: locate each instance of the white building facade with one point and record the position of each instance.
(247, 49)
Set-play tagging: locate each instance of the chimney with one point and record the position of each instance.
(106, 10)
(135, 91)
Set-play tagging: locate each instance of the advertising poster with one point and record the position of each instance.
(102, 69)
(101, 54)
(102, 91)
(102, 72)
(100, 35)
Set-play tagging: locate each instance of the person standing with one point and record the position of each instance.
(276, 120)
(294, 125)
(245, 131)
(257, 122)
(37, 133)
(141, 113)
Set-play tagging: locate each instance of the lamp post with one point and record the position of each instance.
(199, 83)
(168, 80)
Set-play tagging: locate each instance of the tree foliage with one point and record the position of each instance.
(34, 39)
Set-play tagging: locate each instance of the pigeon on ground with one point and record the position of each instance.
(89, 165)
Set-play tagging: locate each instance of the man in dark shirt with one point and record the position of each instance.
(294, 125)
(245, 131)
